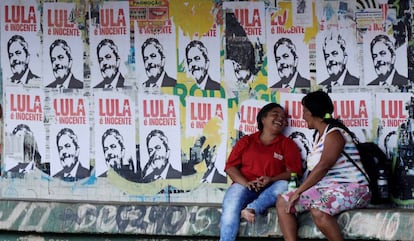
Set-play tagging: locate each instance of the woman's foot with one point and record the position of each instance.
(248, 214)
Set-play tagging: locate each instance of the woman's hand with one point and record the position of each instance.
(292, 201)
(258, 184)
(252, 186)
(263, 181)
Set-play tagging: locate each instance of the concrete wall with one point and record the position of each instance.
(38, 182)
(187, 221)
(37, 201)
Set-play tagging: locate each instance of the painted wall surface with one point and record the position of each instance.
(187, 221)
(116, 87)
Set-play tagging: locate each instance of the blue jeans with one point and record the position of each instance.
(238, 197)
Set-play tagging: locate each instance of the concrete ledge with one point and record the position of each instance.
(192, 220)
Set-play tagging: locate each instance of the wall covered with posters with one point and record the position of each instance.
(98, 95)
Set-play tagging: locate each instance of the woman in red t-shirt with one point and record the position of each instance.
(259, 165)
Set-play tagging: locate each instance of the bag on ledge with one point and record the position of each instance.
(375, 164)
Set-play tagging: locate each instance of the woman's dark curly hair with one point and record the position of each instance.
(320, 104)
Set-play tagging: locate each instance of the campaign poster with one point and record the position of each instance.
(69, 138)
(337, 56)
(288, 53)
(20, 41)
(115, 148)
(25, 137)
(206, 122)
(337, 60)
(392, 111)
(160, 135)
(297, 128)
(62, 47)
(199, 55)
(245, 120)
(385, 62)
(244, 43)
(109, 33)
(156, 55)
(356, 112)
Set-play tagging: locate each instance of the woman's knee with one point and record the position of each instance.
(319, 216)
(278, 187)
(280, 203)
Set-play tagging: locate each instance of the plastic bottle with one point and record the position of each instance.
(382, 184)
(293, 181)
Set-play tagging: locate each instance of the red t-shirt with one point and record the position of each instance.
(254, 159)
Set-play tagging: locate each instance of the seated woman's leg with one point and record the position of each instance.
(287, 221)
(327, 224)
(235, 199)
